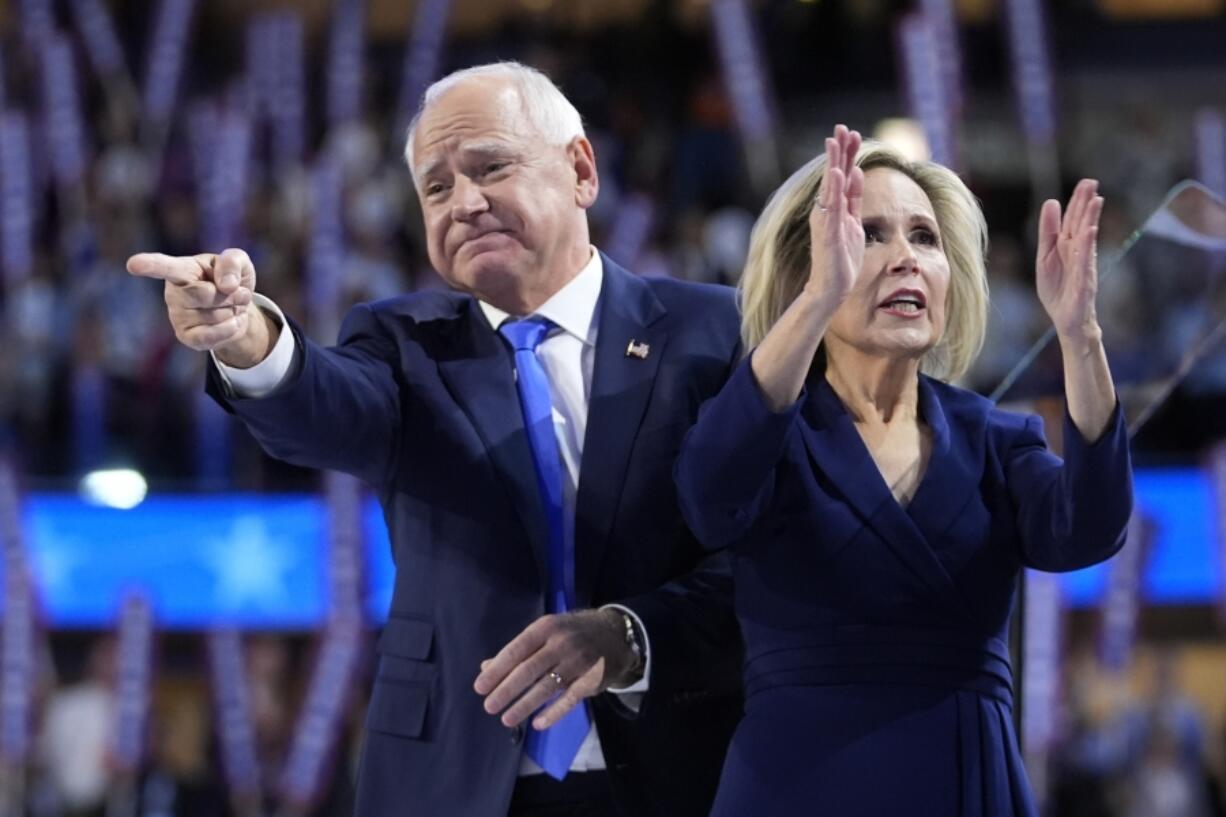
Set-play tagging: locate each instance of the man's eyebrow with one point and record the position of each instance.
(488, 146)
(426, 168)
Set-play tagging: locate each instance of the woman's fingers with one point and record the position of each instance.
(1078, 207)
(1079, 226)
(1049, 227)
(841, 150)
(852, 148)
(843, 183)
(1089, 235)
(1095, 215)
(835, 196)
(855, 192)
(1089, 214)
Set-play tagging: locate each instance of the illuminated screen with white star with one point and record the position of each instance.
(242, 560)
(259, 561)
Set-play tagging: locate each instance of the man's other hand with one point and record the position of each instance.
(557, 660)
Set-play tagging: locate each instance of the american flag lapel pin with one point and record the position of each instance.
(636, 349)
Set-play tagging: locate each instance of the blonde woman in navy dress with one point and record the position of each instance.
(877, 515)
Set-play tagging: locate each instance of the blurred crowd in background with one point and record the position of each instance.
(91, 376)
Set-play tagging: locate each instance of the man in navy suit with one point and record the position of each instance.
(557, 642)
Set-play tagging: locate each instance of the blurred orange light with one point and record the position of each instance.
(906, 136)
(1135, 9)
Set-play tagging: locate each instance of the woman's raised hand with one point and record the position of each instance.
(835, 233)
(1066, 269)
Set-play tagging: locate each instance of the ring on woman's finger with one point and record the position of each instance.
(557, 679)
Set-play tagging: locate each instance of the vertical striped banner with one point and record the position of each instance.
(344, 79)
(1122, 600)
(925, 87)
(347, 551)
(133, 687)
(746, 81)
(261, 75)
(337, 664)
(288, 104)
(261, 62)
(276, 72)
(1217, 477)
(221, 146)
(64, 125)
(101, 42)
(1032, 71)
(1211, 149)
(234, 169)
(17, 661)
(1041, 658)
(326, 256)
(89, 398)
(211, 430)
(743, 72)
(16, 198)
(222, 158)
(422, 58)
(631, 228)
(1043, 645)
(4, 97)
(322, 718)
(235, 728)
(943, 18)
(744, 75)
(18, 629)
(203, 121)
(167, 52)
(37, 23)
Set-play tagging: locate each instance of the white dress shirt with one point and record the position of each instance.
(568, 356)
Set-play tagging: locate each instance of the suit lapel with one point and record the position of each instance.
(621, 386)
(480, 376)
(954, 467)
(840, 453)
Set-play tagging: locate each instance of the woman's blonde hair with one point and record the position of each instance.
(778, 262)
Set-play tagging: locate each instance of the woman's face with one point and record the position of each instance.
(896, 308)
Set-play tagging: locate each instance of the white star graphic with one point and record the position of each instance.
(250, 566)
(54, 556)
(53, 566)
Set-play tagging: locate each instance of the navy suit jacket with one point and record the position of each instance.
(418, 399)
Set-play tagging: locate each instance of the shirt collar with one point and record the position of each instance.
(572, 308)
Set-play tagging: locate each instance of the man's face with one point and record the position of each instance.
(504, 210)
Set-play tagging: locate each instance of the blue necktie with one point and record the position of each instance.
(555, 748)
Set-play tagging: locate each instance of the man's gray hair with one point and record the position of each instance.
(549, 111)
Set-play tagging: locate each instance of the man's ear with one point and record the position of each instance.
(583, 161)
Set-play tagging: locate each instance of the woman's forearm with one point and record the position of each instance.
(782, 360)
(1088, 387)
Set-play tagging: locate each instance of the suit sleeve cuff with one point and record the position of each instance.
(740, 438)
(631, 696)
(749, 410)
(1113, 437)
(263, 378)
